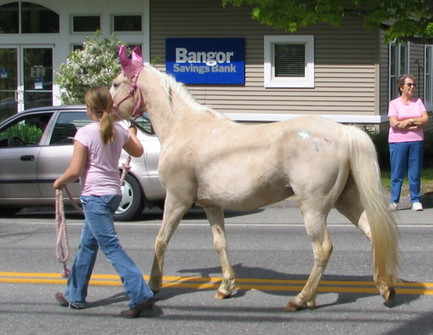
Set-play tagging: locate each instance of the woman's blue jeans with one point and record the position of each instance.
(98, 232)
(406, 159)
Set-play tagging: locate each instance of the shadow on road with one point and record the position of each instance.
(262, 273)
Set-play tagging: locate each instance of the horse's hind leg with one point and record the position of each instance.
(349, 204)
(228, 286)
(174, 210)
(315, 224)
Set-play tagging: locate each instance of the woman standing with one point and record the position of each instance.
(95, 159)
(407, 115)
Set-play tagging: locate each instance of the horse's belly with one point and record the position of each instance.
(242, 199)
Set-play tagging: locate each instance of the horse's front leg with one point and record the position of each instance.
(315, 224)
(228, 286)
(174, 210)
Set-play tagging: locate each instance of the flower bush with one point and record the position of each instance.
(95, 65)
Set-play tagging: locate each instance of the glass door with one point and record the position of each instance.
(26, 78)
(37, 78)
(8, 81)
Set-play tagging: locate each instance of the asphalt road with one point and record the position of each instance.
(270, 253)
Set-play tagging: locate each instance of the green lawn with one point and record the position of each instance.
(426, 181)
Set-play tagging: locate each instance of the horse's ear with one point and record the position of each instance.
(131, 66)
(136, 55)
(123, 57)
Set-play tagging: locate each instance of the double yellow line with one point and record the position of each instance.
(202, 283)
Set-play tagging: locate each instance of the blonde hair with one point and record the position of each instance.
(100, 103)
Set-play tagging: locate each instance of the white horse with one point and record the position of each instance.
(216, 163)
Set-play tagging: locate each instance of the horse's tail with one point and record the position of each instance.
(384, 235)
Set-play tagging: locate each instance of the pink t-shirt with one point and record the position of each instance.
(402, 111)
(101, 176)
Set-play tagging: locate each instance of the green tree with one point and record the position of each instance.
(95, 65)
(400, 19)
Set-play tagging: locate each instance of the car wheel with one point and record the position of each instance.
(132, 199)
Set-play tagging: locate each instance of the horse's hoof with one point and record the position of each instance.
(293, 307)
(389, 296)
(220, 295)
(311, 304)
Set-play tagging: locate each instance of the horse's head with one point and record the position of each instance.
(127, 98)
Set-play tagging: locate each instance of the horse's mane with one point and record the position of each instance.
(174, 88)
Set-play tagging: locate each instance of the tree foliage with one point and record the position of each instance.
(400, 19)
(95, 65)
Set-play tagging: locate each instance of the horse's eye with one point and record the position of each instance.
(115, 85)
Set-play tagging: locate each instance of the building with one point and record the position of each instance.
(346, 73)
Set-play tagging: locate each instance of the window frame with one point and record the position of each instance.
(270, 81)
(399, 72)
(428, 76)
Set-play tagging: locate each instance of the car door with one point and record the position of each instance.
(20, 146)
(56, 155)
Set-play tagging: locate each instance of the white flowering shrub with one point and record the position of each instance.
(96, 65)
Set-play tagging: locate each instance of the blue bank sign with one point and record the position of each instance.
(206, 60)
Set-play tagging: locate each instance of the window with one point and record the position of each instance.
(398, 65)
(125, 23)
(9, 18)
(289, 61)
(35, 19)
(66, 126)
(38, 19)
(428, 80)
(83, 24)
(24, 131)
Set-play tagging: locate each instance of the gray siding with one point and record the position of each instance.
(416, 64)
(384, 74)
(346, 61)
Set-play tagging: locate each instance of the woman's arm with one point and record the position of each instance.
(76, 166)
(411, 123)
(133, 145)
(400, 124)
(420, 121)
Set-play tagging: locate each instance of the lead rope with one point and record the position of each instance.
(125, 169)
(62, 241)
(62, 244)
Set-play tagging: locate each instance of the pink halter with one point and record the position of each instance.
(132, 68)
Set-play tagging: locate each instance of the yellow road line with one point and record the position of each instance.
(213, 282)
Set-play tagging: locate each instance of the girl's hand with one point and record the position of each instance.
(133, 130)
(57, 185)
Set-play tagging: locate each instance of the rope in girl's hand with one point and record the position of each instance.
(62, 244)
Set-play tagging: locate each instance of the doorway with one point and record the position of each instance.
(26, 78)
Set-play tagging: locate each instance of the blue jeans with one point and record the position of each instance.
(98, 232)
(406, 159)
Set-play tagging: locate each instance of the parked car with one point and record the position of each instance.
(36, 147)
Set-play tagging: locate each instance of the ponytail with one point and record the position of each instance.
(106, 123)
(99, 103)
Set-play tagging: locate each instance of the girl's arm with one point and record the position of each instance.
(75, 168)
(133, 145)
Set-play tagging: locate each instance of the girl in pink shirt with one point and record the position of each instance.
(407, 115)
(97, 149)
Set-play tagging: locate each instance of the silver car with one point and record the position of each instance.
(36, 147)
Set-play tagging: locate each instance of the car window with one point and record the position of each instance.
(24, 131)
(66, 126)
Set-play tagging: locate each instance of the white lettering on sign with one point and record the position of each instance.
(201, 69)
(210, 58)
